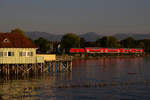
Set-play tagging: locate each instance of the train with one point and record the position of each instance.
(106, 50)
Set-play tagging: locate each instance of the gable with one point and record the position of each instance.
(11, 40)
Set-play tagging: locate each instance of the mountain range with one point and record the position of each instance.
(90, 36)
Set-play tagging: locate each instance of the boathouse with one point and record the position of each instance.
(16, 48)
(18, 56)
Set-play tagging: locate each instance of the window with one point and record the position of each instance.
(23, 53)
(6, 40)
(4, 53)
(20, 53)
(29, 53)
(26, 53)
(10, 53)
(1, 54)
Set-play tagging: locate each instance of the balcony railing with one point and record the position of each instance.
(64, 58)
(17, 60)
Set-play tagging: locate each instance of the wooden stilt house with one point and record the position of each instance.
(17, 49)
(18, 56)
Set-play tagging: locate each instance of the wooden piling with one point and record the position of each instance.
(50, 67)
(53, 66)
(26, 69)
(60, 67)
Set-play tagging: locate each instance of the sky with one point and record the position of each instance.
(77, 16)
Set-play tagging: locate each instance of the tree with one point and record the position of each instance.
(82, 42)
(146, 45)
(128, 43)
(140, 44)
(108, 42)
(99, 42)
(113, 42)
(70, 40)
(17, 30)
(43, 45)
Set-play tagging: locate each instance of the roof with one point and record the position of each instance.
(15, 40)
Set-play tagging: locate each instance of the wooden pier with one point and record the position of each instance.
(48, 66)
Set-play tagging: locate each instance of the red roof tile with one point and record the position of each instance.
(11, 40)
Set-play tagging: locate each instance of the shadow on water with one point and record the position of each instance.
(1, 98)
(30, 86)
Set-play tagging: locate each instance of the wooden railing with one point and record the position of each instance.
(64, 58)
(17, 60)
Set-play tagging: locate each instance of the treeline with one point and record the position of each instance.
(71, 40)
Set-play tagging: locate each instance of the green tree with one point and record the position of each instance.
(128, 43)
(43, 45)
(146, 44)
(70, 40)
(82, 42)
(99, 42)
(140, 44)
(17, 30)
(108, 42)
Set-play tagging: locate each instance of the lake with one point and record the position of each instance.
(124, 78)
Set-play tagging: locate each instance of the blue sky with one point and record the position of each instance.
(79, 16)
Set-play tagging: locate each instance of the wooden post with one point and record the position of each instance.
(49, 66)
(67, 66)
(57, 66)
(41, 67)
(12, 68)
(61, 67)
(53, 66)
(8, 69)
(27, 69)
(17, 69)
(35, 69)
(0, 69)
(71, 66)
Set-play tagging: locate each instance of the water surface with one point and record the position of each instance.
(122, 78)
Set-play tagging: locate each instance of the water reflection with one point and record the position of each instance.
(91, 79)
(116, 69)
(30, 87)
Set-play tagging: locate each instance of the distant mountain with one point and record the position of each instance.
(49, 36)
(138, 36)
(90, 36)
(141, 36)
(120, 36)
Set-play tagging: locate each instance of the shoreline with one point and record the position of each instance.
(90, 57)
(102, 56)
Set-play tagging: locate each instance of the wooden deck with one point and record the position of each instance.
(61, 64)
(64, 58)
